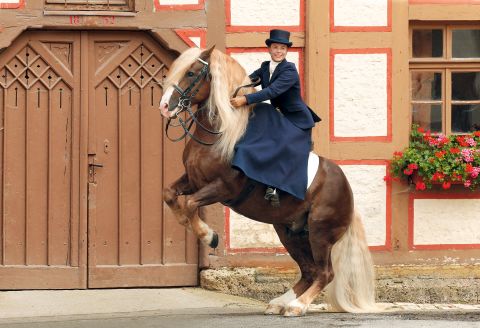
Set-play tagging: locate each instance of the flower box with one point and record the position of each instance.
(438, 160)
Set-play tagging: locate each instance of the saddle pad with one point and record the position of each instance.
(313, 162)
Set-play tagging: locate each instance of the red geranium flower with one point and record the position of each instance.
(446, 185)
(398, 154)
(420, 185)
(469, 168)
(454, 150)
(412, 166)
(438, 176)
(461, 140)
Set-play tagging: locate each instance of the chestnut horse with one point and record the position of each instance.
(322, 233)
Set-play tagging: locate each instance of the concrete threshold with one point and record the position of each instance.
(52, 303)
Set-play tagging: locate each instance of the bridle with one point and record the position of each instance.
(185, 104)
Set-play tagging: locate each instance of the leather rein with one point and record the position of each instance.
(185, 104)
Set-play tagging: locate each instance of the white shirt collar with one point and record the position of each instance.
(273, 65)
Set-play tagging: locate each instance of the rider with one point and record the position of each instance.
(275, 147)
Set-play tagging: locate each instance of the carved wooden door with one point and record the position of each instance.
(43, 240)
(71, 102)
(133, 240)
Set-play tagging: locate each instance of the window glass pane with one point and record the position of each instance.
(465, 43)
(427, 43)
(465, 118)
(428, 116)
(466, 86)
(426, 85)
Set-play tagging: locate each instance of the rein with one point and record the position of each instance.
(185, 104)
(187, 125)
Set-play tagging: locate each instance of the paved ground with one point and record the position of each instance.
(195, 307)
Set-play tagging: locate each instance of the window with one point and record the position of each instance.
(445, 78)
(110, 5)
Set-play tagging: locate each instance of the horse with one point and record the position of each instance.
(323, 233)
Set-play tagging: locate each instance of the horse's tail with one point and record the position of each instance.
(353, 286)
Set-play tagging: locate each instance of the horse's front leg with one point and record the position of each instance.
(170, 195)
(213, 192)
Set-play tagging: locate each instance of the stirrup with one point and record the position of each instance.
(272, 195)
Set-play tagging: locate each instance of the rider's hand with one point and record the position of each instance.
(238, 101)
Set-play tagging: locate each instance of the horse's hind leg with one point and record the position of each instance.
(324, 275)
(298, 247)
(324, 231)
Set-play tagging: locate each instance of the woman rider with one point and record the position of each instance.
(276, 145)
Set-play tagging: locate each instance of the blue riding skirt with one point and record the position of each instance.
(274, 151)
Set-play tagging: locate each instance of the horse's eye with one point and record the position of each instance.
(190, 74)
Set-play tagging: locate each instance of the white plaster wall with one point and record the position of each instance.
(196, 40)
(370, 195)
(252, 60)
(10, 1)
(246, 233)
(446, 221)
(369, 190)
(265, 12)
(178, 2)
(361, 12)
(360, 95)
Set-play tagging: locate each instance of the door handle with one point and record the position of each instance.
(91, 171)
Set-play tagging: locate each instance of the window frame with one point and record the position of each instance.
(446, 65)
(118, 6)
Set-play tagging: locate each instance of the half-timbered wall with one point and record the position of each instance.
(354, 70)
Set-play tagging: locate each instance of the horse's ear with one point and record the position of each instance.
(205, 55)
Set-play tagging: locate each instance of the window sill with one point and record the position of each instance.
(88, 13)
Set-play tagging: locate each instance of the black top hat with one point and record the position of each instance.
(279, 36)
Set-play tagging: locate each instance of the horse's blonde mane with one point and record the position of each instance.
(227, 74)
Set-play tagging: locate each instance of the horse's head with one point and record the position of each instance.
(190, 87)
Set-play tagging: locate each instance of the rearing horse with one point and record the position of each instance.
(323, 233)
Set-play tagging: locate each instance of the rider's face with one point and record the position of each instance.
(278, 51)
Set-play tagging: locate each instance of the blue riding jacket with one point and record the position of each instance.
(283, 90)
(275, 147)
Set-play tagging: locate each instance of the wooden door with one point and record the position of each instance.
(69, 103)
(43, 236)
(133, 240)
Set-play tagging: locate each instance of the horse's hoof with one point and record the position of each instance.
(214, 242)
(274, 309)
(294, 312)
(295, 309)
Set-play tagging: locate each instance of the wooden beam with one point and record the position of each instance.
(257, 39)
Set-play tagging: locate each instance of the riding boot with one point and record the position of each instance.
(271, 194)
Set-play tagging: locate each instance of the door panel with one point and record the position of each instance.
(40, 145)
(136, 241)
(68, 100)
